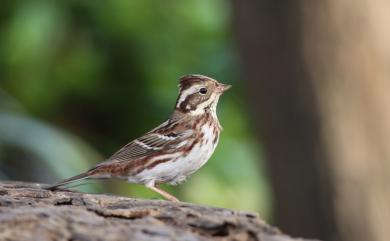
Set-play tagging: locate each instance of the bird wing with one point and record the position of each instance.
(152, 142)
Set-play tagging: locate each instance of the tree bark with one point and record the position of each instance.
(28, 212)
(318, 73)
(284, 105)
(348, 54)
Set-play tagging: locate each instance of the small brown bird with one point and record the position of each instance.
(175, 149)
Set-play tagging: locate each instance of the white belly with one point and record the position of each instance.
(177, 171)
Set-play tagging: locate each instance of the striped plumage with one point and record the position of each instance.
(175, 149)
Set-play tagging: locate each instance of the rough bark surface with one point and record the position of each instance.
(28, 212)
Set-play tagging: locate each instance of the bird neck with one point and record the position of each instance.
(184, 116)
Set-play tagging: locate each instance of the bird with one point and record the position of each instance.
(174, 150)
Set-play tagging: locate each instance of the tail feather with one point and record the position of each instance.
(76, 178)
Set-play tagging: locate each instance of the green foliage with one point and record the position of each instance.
(107, 72)
(61, 152)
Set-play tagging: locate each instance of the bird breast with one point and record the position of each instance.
(183, 163)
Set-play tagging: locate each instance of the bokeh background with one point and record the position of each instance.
(306, 140)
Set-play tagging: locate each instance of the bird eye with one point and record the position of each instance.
(203, 91)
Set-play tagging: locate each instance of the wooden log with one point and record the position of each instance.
(28, 212)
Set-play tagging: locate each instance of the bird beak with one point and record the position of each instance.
(222, 88)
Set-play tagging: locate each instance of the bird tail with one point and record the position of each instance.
(76, 178)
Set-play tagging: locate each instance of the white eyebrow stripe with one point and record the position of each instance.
(187, 92)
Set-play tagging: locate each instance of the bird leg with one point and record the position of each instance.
(163, 193)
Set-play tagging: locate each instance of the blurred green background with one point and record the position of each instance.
(79, 79)
(306, 138)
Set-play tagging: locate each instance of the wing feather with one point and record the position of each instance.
(149, 144)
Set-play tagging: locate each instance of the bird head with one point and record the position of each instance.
(198, 94)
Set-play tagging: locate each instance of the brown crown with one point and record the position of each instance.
(188, 80)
